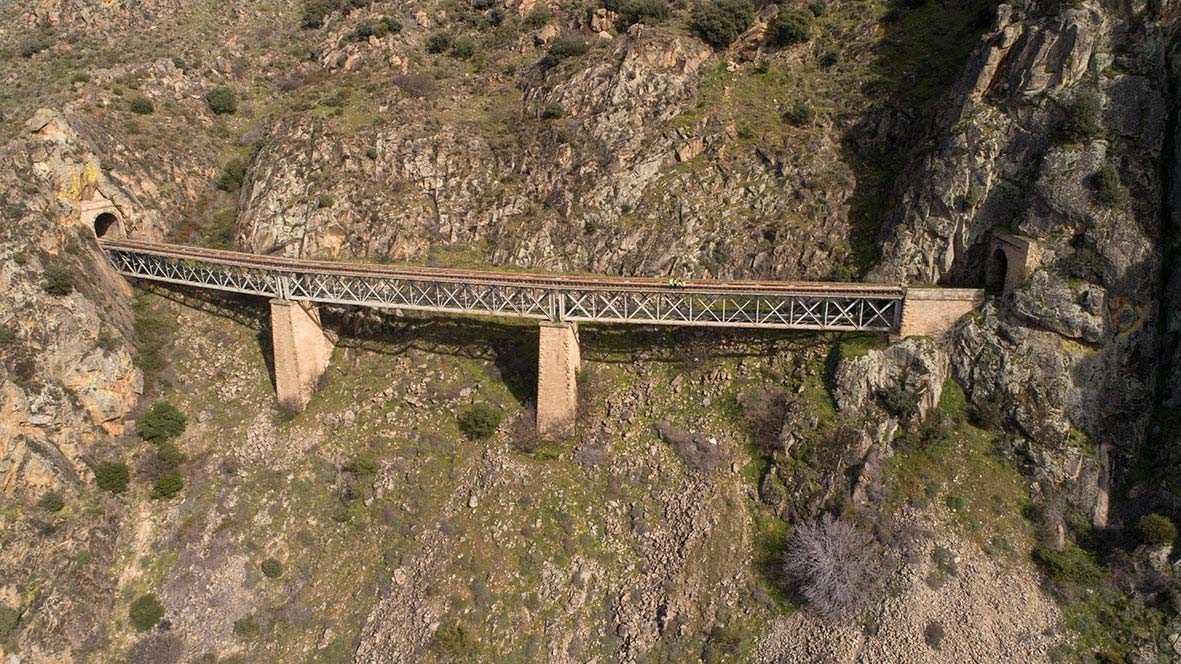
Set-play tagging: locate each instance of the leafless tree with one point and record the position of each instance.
(836, 566)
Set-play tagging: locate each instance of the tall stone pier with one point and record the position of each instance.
(301, 352)
(558, 364)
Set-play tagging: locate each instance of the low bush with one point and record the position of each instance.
(463, 48)
(145, 612)
(58, 280)
(162, 422)
(453, 640)
(898, 402)
(9, 617)
(538, 16)
(818, 8)
(417, 86)
(1084, 117)
(721, 644)
(141, 105)
(699, 451)
(933, 634)
(643, 11)
(112, 476)
(1156, 530)
(315, 11)
(438, 42)
(246, 628)
(791, 26)
(51, 502)
(480, 420)
(272, 568)
(376, 27)
(233, 174)
(80, 77)
(35, 44)
(1109, 189)
(222, 101)
(1072, 566)
(799, 114)
(168, 485)
(562, 48)
(720, 22)
(835, 565)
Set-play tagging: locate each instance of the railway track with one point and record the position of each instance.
(506, 278)
(577, 298)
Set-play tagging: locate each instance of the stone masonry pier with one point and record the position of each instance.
(559, 303)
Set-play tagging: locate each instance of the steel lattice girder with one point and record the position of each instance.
(671, 306)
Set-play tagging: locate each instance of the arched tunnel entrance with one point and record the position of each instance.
(106, 224)
(997, 271)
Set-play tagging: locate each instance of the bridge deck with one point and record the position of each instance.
(726, 303)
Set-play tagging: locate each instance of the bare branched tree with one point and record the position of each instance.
(839, 568)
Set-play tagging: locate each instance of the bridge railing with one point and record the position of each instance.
(813, 306)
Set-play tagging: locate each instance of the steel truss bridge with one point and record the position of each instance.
(708, 303)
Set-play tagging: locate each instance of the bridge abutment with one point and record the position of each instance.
(932, 312)
(301, 350)
(558, 364)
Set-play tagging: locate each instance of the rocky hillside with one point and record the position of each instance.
(1004, 493)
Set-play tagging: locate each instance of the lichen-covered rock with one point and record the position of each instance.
(914, 368)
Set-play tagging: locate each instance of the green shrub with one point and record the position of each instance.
(792, 26)
(453, 640)
(563, 48)
(112, 476)
(246, 628)
(315, 11)
(1071, 566)
(1109, 190)
(829, 57)
(1156, 529)
(463, 48)
(51, 502)
(480, 420)
(141, 105)
(20, 258)
(1084, 118)
(222, 101)
(933, 634)
(438, 42)
(643, 11)
(9, 617)
(799, 114)
(538, 16)
(58, 280)
(818, 8)
(35, 44)
(552, 112)
(145, 612)
(720, 22)
(325, 201)
(168, 485)
(721, 644)
(80, 77)
(161, 422)
(169, 456)
(898, 402)
(272, 568)
(233, 174)
(376, 27)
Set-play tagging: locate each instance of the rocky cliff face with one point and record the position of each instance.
(1074, 348)
(650, 153)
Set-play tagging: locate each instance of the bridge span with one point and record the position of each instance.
(295, 286)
